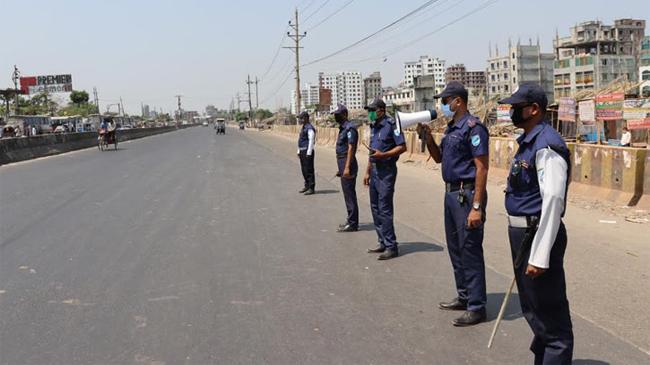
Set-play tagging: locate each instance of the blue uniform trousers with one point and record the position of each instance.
(349, 188)
(544, 303)
(307, 169)
(465, 248)
(382, 188)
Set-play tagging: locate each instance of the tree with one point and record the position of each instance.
(79, 97)
(241, 116)
(39, 104)
(261, 114)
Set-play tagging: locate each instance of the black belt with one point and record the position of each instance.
(342, 156)
(384, 165)
(466, 185)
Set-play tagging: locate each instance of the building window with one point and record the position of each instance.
(505, 76)
(505, 64)
(514, 80)
(493, 77)
(513, 55)
(492, 65)
(645, 75)
(505, 87)
(494, 89)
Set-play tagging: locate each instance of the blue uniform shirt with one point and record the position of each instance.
(523, 196)
(303, 138)
(463, 141)
(384, 136)
(347, 135)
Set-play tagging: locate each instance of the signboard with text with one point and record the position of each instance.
(566, 111)
(610, 106)
(503, 113)
(587, 112)
(637, 113)
(51, 83)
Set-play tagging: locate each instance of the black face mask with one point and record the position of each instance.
(339, 118)
(517, 116)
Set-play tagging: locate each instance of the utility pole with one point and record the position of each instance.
(238, 103)
(257, 94)
(250, 104)
(296, 36)
(16, 77)
(179, 106)
(121, 106)
(96, 99)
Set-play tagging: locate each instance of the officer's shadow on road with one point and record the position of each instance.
(589, 362)
(513, 309)
(330, 191)
(406, 248)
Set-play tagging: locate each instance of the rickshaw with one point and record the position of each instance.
(105, 138)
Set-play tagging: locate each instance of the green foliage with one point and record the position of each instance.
(79, 97)
(241, 116)
(39, 104)
(261, 114)
(83, 109)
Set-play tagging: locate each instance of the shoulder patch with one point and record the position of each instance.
(476, 140)
(349, 135)
(396, 132)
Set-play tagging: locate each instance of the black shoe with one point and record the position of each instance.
(378, 249)
(348, 228)
(453, 305)
(469, 318)
(389, 254)
(303, 190)
(342, 225)
(310, 192)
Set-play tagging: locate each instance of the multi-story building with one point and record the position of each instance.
(426, 65)
(594, 55)
(145, 111)
(474, 81)
(644, 67)
(401, 98)
(347, 88)
(521, 63)
(372, 87)
(309, 98)
(424, 89)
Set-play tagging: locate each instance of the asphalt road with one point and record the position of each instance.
(191, 248)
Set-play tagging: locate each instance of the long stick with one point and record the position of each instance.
(501, 311)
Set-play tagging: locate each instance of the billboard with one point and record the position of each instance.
(637, 113)
(51, 83)
(566, 111)
(587, 112)
(610, 106)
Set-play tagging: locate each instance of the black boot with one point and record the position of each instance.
(389, 254)
(454, 305)
(310, 192)
(303, 190)
(470, 318)
(348, 228)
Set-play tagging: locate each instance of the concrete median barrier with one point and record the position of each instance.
(26, 148)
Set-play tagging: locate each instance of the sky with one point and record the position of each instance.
(148, 51)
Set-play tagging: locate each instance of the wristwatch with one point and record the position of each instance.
(476, 206)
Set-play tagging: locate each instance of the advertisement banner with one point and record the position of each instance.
(637, 113)
(587, 112)
(566, 111)
(51, 83)
(503, 113)
(610, 106)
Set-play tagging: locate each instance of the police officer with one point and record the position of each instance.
(306, 140)
(386, 144)
(346, 149)
(535, 202)
(464, 156)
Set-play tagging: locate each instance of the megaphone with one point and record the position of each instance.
(405, 120)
